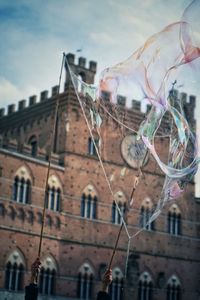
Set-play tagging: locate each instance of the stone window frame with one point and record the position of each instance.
(146, 212)
(33, 142)
(174, 220)
(22, 186)
(120, 201)
(145, 287)
(14, 271)
(116, 287)
(173, 288)
(89, 201)
(85, 281)
(47, 277)
(54, 192)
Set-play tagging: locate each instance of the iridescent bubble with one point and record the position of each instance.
(169, 56)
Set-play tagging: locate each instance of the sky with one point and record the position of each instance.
(35, 33)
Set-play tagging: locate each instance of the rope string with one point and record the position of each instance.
(136, 183)
(50, 155)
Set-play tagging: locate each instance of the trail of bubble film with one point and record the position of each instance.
(151, 74)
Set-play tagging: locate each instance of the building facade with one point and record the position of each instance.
(82, 222)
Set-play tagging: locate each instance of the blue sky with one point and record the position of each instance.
(34, 34)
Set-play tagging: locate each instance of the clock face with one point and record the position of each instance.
(134, 151)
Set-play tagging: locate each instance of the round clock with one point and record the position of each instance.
(134, 151)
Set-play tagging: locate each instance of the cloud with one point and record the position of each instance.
(102, 38)
(36, 33)
(10, 93)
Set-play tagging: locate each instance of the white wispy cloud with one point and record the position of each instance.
(35, 33)
(11, 94)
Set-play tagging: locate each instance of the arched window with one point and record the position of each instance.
(116, 287)
(89, 203)
(81, 77)
(34, 145)
(145, 287)
(47, 277)
(22, 186)
(173, 289)
(85, 282)
(174, 220)
(91, 146)
(116, 217)
(146, 213)
(53, 197)
(14, 272)
(121, 200)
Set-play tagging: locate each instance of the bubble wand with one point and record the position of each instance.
(136, 182)
(50, 155)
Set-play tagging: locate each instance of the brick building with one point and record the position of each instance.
(81, 222)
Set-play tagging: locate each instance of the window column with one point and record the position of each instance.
(28, 190)
(52, 198)
(21, 195)
(87, 287)
(89, 200)
(16, 279)
(10, 278)
(18, 190)
(57, 202)
(24, 193)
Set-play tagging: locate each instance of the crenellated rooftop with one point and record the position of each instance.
(81, 62)
(35, 103)
(188, 102)
(33, 100)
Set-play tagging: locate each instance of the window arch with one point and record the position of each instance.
(85, 282)
(173, 288)
(174, 220)
(14, 272)
(47, 277)
(53, 197)
(22, 186)
(146, 213)
(145, 287)
(120, 199)
(81, 77)
(34, 145)
(89, 203)
(116, 287)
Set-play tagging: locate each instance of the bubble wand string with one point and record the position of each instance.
(49, 161)
(137, 178)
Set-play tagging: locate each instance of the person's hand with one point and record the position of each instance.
(35, 269)
(107, 279)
